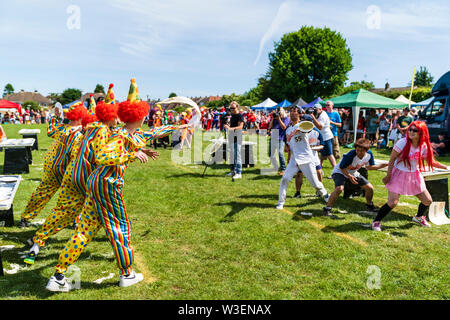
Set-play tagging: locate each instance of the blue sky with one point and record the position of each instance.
(198, 48)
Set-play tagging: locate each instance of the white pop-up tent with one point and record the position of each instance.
(263, 106)
(402, 98)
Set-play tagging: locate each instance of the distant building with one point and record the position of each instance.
(22, 96)
(201, 101)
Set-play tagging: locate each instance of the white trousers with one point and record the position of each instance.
(308, 170)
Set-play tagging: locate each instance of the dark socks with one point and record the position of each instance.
(384, 210)
(422, 211)
(58, 276)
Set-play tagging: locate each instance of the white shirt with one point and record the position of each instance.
(413, 156)
(324, 120)
(314, 141)
(299, 145)
(353, 163)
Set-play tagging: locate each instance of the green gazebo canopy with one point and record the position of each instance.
(365, 99)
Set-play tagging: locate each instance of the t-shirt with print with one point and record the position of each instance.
(413, 156)
(403, 121)
(353, 163)
(315, 139)
(299, 145)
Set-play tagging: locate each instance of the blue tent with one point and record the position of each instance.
(282, 104)
(423, 103)
(311, 104)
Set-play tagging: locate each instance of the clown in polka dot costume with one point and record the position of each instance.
(66, 137)
(104, 205)
(73, 189)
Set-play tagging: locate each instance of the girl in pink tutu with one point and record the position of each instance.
(404, 175)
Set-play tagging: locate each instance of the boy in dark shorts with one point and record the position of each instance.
(348, 168)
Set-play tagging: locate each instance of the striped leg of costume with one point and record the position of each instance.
(42, 195)
(114, 218)
(69, 205)
(87, 228)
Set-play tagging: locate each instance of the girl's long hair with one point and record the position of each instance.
(424, 139)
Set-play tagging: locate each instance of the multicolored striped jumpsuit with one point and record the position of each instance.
(73, 188)
(55, 164)
(105, 204)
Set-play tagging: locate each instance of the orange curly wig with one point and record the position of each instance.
(132, 111)
(89, 118)
(105, 111)
(78, 113)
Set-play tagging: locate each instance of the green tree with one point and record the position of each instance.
(173, 94)
(29, 104)
(423, 78)
(70, 95)
(8, 89)
(99, 89)
(309, 63)
(55, 97)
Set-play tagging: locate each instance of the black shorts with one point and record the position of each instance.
(339, 180)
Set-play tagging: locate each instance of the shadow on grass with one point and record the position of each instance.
(237, 207)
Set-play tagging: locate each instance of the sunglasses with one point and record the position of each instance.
(413, 130)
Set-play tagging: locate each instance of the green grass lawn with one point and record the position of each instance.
(211, 238)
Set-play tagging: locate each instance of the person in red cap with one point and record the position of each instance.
(65, 137)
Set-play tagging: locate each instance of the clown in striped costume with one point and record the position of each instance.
(73, 189)
(105, 205)
(65, 136)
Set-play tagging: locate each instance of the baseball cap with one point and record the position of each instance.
(318, 106)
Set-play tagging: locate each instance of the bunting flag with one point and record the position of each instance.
(110, 98)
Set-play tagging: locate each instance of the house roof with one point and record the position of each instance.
(88, 95)
(22, 96)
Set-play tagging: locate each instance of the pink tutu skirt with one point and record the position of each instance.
(406, 183)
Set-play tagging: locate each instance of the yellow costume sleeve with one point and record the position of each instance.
(114, 152)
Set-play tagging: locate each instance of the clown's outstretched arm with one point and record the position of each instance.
(161, 132)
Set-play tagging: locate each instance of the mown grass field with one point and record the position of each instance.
(211, 238)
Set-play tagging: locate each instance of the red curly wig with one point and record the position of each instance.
(78, 113)
(132, 111)
(106, 111)
(424, 141)
(89, 118)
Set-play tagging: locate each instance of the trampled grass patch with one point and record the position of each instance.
(210, 238)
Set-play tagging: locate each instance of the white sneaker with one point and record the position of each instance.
(55, 285)
(229, 174)
(237, 176)
(326, 197)
(279, 207)
(131, 279)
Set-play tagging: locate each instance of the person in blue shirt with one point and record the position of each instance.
(347, 169)
(335, 123)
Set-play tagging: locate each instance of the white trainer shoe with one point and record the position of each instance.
(131, 279)
(237, 176)
(56, 285)
(279, 207)
(229, 174)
